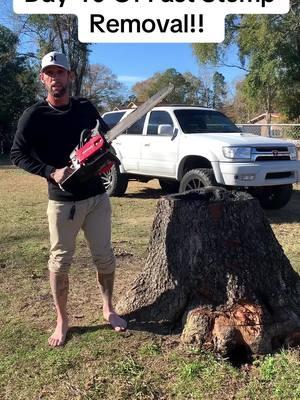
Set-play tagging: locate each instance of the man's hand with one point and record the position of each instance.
(61, 174)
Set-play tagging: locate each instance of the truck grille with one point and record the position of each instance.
(276, 153)
(270, 149)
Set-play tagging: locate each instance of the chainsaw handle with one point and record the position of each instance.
(86, 134)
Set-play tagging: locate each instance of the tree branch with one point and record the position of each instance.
(223, 64)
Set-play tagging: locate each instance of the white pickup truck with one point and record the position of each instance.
(188, 147)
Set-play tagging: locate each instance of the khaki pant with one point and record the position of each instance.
(93, 216)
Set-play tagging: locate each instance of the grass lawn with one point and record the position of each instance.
(97, 363)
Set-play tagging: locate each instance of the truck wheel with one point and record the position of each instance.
(114, 182)
(196, 179)
(169, 186)
(274, 197)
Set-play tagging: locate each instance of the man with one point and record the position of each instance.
(47, 133)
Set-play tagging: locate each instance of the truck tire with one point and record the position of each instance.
(169, 186)
(274, 197)
(196, 179)
(114, 182)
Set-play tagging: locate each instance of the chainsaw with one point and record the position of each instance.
(94, 154)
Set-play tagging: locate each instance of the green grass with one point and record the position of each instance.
(97, 363)
(149, 349)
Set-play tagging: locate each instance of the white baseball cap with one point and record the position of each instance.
(55, 58)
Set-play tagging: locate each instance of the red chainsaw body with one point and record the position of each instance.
(90, 148)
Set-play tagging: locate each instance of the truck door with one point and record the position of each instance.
(158, 151)
(128, 146)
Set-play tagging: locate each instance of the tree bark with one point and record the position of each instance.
(215, 265)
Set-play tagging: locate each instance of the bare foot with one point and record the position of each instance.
(119, 324)
(58, 337)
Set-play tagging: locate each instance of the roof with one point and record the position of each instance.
(262, 116)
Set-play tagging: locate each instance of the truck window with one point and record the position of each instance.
(111, 119)
(158, 118)
(137, 127)
(204, 121)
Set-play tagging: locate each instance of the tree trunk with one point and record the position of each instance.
(215, 265)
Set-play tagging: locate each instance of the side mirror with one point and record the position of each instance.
(165, 129)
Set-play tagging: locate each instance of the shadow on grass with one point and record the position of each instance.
(288, 214)
(156, 328)
(147, 193)
(82, 330)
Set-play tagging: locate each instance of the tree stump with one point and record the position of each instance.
(215, 265)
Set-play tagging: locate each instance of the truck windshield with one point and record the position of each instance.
(204, 121)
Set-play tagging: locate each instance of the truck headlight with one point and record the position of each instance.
(293, 152)
(237, 153)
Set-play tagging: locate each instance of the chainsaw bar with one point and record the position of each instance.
(138, 113)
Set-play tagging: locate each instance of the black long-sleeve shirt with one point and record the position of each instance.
(45, 138)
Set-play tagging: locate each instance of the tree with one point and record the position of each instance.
(269, 51)
(171, 75)
(101, 87)
(188, 88)
(216, 271)
(209, 91)
(219, 90)
(17, 85)
(141, 89)
(244, 106)
(194, 94)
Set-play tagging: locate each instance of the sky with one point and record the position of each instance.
(133, 62)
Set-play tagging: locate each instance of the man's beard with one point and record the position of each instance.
(57, 93)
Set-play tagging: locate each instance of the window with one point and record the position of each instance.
(204, 121)
(137, 127)
(112, 119)
(158, 118)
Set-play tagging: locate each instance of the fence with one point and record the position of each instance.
(291, 131)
